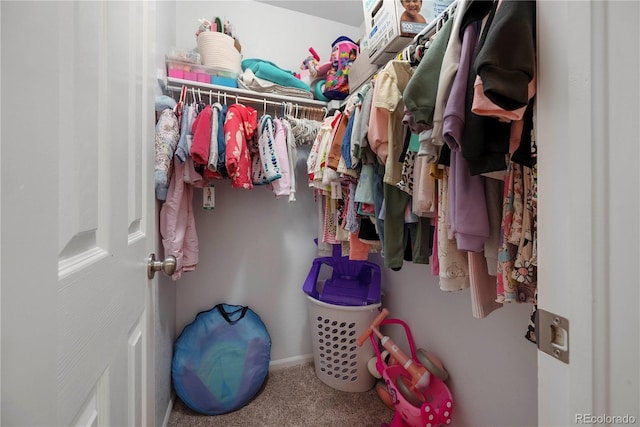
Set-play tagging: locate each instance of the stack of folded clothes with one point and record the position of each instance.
(264, 76)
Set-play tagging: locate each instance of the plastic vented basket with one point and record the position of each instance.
(339, 362)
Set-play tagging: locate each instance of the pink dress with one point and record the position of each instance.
(177, 223)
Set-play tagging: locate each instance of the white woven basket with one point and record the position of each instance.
(218, 50)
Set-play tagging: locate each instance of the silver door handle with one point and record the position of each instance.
(168, 266)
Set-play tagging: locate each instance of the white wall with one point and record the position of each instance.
(256, 251)
(267, 32)
(492, 367)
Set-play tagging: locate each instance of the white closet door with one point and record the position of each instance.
(588, 128)
(77, 213)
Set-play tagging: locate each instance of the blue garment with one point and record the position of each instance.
(352, 224)
(378, 200)
(222, 144)
(166, 142)
(345, 148)
(163, 102)
(182, 152)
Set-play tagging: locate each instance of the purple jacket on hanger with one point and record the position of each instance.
(454, 112)
(467, 204)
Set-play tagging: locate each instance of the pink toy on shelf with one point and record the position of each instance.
(312, 63)
(415, 384)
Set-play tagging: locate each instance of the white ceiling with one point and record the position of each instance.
(348, 12)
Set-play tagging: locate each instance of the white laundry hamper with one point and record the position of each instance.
(339, 362)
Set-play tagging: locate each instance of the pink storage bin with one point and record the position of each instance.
(190, 75)
(176, 73)
(203, 77)
(180, 70)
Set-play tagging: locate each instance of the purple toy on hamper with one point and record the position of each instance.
(352, 283)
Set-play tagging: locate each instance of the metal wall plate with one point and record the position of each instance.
(552, 333)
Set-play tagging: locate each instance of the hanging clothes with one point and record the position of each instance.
(201, 142)
(281, 186)
(506, 72)
(267, 150)
(292, 155)
(214, 154)
(421, 92)
(361, 129)
(239, 127)
(184, 144)
(467, 205)
(405, 237)
(222, 142)
(335, 149)
(304, 131)
(453, 263)
(517, 261)
(316, 162)
(177, 223)
(166, 142)
(448, 71)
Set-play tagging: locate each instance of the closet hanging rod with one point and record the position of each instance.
(175, 85)
(430, 29)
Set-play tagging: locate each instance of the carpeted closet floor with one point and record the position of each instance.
(294, 397)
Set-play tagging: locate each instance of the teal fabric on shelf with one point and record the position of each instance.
(269, 71)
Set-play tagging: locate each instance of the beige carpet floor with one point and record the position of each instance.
(294, 397)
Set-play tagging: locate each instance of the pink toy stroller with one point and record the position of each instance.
(415, 385)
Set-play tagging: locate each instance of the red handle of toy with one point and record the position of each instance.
(313, 53)
(365, 335)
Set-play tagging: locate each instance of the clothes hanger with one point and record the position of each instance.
(180, 104)
(183, 94)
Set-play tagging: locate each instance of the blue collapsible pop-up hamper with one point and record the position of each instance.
(221, 359)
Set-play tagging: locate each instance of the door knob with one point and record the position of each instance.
(168, 266)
